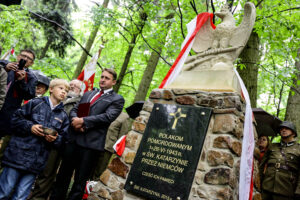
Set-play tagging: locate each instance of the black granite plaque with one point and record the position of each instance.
(167, 158)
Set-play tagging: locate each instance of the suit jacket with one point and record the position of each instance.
(102, 113)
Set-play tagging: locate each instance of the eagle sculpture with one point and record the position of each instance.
(218, 48)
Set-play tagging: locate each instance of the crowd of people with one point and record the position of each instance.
(47, 140)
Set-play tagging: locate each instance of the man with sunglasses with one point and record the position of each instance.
(21, 84)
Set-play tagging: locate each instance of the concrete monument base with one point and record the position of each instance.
(207, 80)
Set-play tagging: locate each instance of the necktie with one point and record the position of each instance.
(96, 97)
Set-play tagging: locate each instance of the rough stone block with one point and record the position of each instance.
(167, 95)
(236, 147)
(257, 196)
(217, 176)
(185, 100)
(118, 167)
(129, 157)
(221, 142)
(105, 177)
(181, 91)
(215, 158)
(209, 102)
(117, 195)
(224, 123)
(139, 127)
(224, 194)
(104, 193)
(113, 183)
(93, 196)
(133, 140)
(155, 94)
(148, 106)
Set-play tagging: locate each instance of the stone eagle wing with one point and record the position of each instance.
(242, 33)
(204, 38)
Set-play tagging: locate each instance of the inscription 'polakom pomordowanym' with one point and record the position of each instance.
(166, 160)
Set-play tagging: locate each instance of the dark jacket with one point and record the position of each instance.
(102, 113)
(27, 151)
(17, 92)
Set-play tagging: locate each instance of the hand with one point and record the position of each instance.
(77, 123)
(37, 130)
(11, 66)
(21, 74)
(51, 138)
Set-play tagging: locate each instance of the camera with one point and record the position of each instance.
(21, 64)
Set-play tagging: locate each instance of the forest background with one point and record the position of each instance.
(142, 39)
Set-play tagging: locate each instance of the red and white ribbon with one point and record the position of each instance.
(246, 164)
(193, 28)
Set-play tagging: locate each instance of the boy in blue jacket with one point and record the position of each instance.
(27, 152)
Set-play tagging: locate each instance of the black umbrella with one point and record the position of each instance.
(41, 77)
(134, 110)
(267, 124)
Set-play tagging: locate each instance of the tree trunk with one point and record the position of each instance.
(45, 49)
(126, 62)
(293, 104)
(88, 46)
(140, 26)
(151, 67)
(250, 57)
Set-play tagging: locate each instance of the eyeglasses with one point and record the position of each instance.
(27, 57)
(74, 86)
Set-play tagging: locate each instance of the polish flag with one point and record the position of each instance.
(87, 75)
(193, 28)
(119, 146)
(7, 55)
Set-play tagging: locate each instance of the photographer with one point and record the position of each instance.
(21, 84)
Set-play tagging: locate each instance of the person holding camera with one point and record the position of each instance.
(21, 84)
(37, 127)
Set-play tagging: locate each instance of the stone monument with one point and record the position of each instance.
(187, 141)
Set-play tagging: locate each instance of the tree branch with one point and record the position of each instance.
(181, 25)
(258, 3)
(155, 50)
(214, 10)
(194, 6)
(124, 37)
(272, 73)
(63, 28)
(295, 8)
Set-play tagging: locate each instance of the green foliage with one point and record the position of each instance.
(277, 25)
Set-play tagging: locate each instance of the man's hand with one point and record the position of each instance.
(51, 138)
(37, 130)
(77, 123)
(21, 74)
(11, 66)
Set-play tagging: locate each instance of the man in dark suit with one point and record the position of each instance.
(87, 138)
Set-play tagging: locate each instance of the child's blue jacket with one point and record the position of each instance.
(27, 151)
